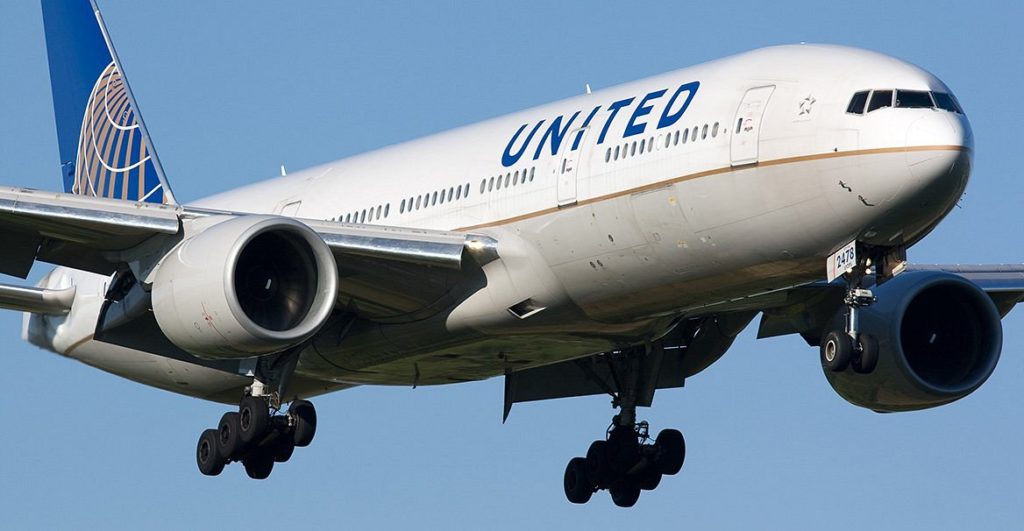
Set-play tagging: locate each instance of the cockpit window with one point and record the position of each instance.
(879, 99)
(947, 102)
(905, 99)
(915, 99)
(857, 102)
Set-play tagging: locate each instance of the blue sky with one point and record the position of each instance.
(232, 90)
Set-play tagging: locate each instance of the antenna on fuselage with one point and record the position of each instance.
(284, 172)
(588, 88)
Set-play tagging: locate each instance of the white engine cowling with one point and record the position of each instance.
(244, 287)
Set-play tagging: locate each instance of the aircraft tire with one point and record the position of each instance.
(836, 351)
(207, 456)
(671, 451)
(625, 494)
(578, 487)
(597, 463)
(228, 441)
(259, 464)
(304, 422)
(649, 478)
(283, 447)
(253, 419)
(867, 358)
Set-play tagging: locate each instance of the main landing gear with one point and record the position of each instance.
(255, 437)
(627, 461)
(848, 347)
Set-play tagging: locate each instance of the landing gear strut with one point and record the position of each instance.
(849, 347)
(258, 434)
(627, 461)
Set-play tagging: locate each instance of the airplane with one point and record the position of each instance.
(612, 243)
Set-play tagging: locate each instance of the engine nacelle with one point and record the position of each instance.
(939, 338)
(247, 286)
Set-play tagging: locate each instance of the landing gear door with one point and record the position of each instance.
(568, 167)
(746, 127)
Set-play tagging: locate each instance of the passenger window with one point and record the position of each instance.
(914, 99)
(387, 209)
(380, 210)
(880, 99)
(508, 176)
(668, 140)
(686, 135)
(616, 152)
(531, 173)
(857, 102)
(401, 207)
(419, 200)
(515, 178)
(739, 124)
(490, 184)
(675, 139)
(642, 142)
(714, 130)
(632, 150)
(498, 187)
(693, 135)
(650, 144)
(608, 155)
(451, 193)
(704, 132)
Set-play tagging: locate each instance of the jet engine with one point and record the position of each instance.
(244, 287)
(939, 338)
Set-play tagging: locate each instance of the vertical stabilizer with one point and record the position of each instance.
(105, 149)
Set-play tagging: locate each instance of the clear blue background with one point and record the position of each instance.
(231, 90)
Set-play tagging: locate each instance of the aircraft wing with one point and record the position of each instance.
(99, 235)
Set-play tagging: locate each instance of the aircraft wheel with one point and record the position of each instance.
(623, 449)
(836, 351)
(625, 494)
(283, 447)
(253, 419)
(259, 464)
(597, 463)
(578, 487)
(228, 441)
(671, 451)
(867, 359)
(304, 422)
(207, 456)
(649, 479)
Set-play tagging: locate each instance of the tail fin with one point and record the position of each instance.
(105, 149)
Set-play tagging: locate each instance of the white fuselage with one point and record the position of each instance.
(620, 210)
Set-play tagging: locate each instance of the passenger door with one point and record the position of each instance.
(568, 167)
(746, 127)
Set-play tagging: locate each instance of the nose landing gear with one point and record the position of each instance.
(849, 347)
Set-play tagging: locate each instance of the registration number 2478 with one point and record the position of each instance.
(842, 261)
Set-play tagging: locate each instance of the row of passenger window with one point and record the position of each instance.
(911, 99)
(367, 215)
(438, 197)
(508, 180)
(630, 149)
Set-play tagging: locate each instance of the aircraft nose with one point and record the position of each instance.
(939, 157)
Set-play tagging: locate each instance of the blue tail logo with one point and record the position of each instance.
(105, 148)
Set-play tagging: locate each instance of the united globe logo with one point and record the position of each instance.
(113, 159)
